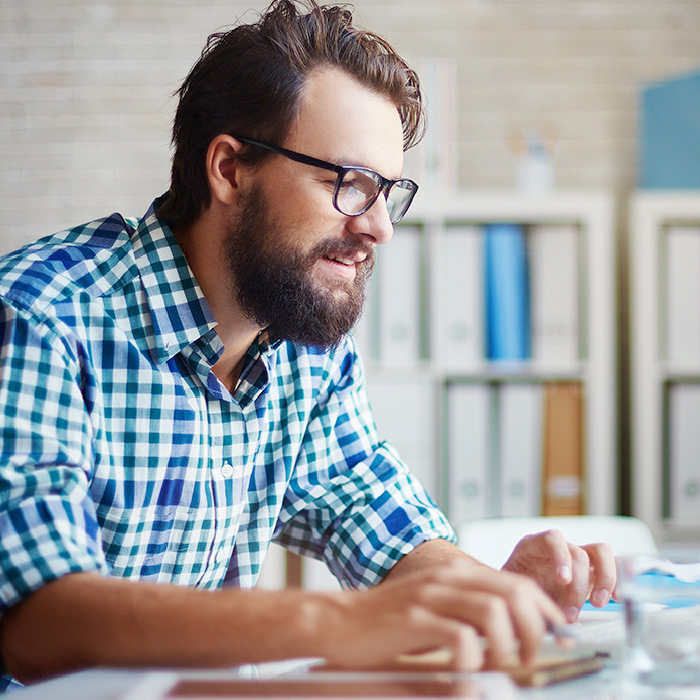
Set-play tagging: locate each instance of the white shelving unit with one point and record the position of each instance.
(658, 370)
(592, 213)
(409, 384)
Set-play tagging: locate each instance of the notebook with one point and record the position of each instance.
(193, 685)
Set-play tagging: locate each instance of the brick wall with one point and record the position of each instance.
(85, 89)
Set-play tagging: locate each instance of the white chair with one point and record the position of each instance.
(492, 540)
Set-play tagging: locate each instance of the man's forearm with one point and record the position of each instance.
(85, 620)
(429, 555)
(435, 597)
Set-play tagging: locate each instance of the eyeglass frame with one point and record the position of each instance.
(341, 171)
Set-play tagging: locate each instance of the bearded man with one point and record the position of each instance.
(182, 390)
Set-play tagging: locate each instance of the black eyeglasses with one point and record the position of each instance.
(356, 188)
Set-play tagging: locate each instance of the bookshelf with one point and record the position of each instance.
(665, 362)
(418, 377)
(421, 373)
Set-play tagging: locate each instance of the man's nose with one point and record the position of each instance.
(375, 223)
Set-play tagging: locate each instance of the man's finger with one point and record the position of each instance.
(490, 615)
(560, 554)
(545, 553)
(604, 573)
(579, 588)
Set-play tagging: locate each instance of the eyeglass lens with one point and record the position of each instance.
(399, 199)
(360, 187)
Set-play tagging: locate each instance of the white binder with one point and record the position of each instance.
(468, 456)
(363, 336)
(399, 283)
(683, 297)
(520, 455)
(366, 330)
(463, 313)
(684, 452)
(402, 411)
(554, 294)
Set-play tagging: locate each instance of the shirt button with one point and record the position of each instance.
(220, 555)
(227, 471)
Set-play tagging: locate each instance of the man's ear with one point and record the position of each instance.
(224, 170)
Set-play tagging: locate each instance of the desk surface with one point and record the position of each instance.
(111, 684)
(150, 684)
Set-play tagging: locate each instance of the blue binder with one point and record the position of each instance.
(507, 293)
(670, 133)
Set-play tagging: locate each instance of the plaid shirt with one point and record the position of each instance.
(122, 453)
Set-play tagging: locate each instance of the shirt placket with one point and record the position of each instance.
(229, 455)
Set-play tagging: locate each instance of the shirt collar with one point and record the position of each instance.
(267, 345)
(179, 311)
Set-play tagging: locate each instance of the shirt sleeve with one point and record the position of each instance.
(48, 526)
(351, 500)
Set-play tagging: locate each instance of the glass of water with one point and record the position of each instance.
(661, 597)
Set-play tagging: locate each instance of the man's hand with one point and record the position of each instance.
(568, 573)
(448, 606)
(437, 596)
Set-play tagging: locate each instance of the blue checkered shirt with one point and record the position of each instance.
(123, 454)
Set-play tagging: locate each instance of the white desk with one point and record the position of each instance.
(109, 684)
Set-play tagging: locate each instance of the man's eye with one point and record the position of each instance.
(353, 184)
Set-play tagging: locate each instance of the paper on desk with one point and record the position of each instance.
(685, 573)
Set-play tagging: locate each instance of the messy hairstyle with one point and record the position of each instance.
(249, 80)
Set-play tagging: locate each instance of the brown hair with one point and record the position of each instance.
(248, 81)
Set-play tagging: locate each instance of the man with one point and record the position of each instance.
(182, 389)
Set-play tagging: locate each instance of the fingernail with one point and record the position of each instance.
(571, 614)
(564, 573)
(601, 597)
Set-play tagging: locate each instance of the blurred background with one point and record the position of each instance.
(86, 90)
(86, 104)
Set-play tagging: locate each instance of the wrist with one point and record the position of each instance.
(321, 622)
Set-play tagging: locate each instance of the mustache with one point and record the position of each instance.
(343, 249)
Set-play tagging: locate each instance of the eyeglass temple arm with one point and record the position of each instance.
(293, 155)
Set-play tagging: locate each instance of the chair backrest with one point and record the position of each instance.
(492, 540)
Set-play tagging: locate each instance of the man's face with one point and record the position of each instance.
(299, 266)
(275, 286)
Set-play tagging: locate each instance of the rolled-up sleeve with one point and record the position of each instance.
(351, 500)
(48, 526)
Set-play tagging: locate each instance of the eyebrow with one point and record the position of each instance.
(348, 162)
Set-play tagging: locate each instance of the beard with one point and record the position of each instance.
(273, 283)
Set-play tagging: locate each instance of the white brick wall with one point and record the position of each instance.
(85, 87)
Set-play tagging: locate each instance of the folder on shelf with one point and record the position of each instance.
(399, 282)
(563, 458)
(507, 293)
(463, 309)
(683, 297)
(669, 133)
(684, 452)
(402, 410)
(554, 297)
(366, 330)
(520, 458)
(362, 333)
(468, 445)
